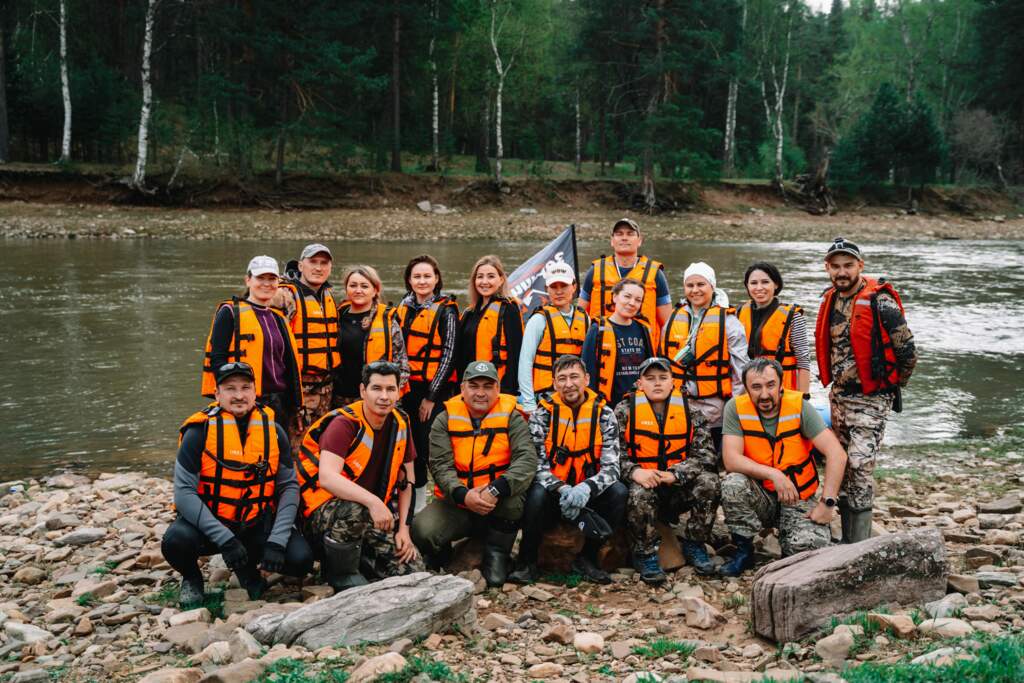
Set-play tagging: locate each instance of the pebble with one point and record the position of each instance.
(588, 642)
(946, 627)
(389, 662)
(82, 536)
(835, 648)
(29, 575)
(545, 670)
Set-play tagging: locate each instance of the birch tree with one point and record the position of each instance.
(579, 136)
(776, 32)
(729, 143)
(139, 177)
(65, 85)
(502, 68)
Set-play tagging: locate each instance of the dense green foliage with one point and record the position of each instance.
(896, 89)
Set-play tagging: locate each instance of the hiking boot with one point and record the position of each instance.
(190, 594)
(743, 559)
(650, 569)
(589, 570)
(698, 558)
(341, 564)
(527, 573)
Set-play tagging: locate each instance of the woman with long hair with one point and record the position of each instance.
(491, 327)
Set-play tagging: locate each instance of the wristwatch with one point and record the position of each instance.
(493, 490)
(830, 502)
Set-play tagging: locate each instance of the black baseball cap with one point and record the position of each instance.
(593, 526)
(843, 246)
(232, 369)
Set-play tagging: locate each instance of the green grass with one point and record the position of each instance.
(568, 580)
(999, 661)
(169, 596)
(656, 649)
(436, 671)
(593, 610)
(295, 671)
(86, 600)
(734, 600)
(605, 670)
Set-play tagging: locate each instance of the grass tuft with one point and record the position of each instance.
(656, 649)
(568, 580)
(999, 661)
(436, 671)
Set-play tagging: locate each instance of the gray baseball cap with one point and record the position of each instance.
(656, 362)
(481, 368)
(311, 250)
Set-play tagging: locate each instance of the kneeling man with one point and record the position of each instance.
(482, 462)
(235, 491)
(577, 442)
(768, 434)
(352, 463)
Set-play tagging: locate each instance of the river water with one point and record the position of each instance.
(102, 340)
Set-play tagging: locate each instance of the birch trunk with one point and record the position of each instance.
(502, 69)
(773, 105)
(499, 150)
(729, 144)
(579, 141)
(434, 119)
(4, 129)
(139, 178)
(65, 85)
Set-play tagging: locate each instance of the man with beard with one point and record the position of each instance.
(866, 351)
(767, 438)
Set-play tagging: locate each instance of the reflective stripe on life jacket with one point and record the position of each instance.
(483, 454)
(711, 369)
(559, 339)
(491, 344)
(315, 327)
(606, 274)
(608, 354)
(355, 459)
(658, 445)
(788, 451)
(574, 441)
(771, 339)
(873, 351)
(423, 342)
(236, 481)
(247, 346)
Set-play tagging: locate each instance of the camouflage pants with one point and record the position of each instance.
(698, 492)
(749, 508)
(347, 522)
(859, 423)
(316, 400)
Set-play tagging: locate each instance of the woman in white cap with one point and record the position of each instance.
(248, 329)
(707, 346)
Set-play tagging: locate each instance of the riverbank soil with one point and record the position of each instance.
(85, 593)
(45, 202)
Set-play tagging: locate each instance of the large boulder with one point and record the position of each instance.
(796, 595)
(411, 606)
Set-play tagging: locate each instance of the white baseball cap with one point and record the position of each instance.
(261, 265)
(559, 272)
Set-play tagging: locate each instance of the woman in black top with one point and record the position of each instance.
(491, 328)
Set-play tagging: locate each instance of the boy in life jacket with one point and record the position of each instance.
(767, 437)
(355, 469)
(577, 442)
(866, 352)
(235, 491)
(482, 461)
(670, 464)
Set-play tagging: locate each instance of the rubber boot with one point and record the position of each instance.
(860, 525)
(698, 558)
(438, 562)
(846, 519)
(743, 559)
(497, 560)
(341, 564)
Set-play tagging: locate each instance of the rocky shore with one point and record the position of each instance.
(85, 595)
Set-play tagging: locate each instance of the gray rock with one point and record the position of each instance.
(796, 595)
(82, 536)
(424, 206)
(411, 606)
(946, 607)
(992, 579)
(1007, 505)
(25, 633)
(31, 676)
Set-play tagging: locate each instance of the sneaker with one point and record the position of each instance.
(528, 573)
(650, 569)
(586, 568)
(190, 594)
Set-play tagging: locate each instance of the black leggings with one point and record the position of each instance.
(184, 544)
(421, 430)
(541, 512)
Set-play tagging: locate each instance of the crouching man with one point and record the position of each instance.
(235, 491)
(768, 435)
(355, 464)
(482, 462)
(577, 442)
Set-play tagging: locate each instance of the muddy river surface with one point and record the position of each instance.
(102, 340)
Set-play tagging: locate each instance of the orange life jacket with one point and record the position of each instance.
(654, 445)
(491, 344)
(608, 354)
(559, 339)
(711, 369)
(423, 342)
(573, 442)
(315, 327)
(481, 455)
(606, 274)
(247, 346)
(237, 482)
(355, 459)
(873, 352)
(378, 344)
(788, 451)
(773, 337)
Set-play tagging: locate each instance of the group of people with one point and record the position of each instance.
(609, 407)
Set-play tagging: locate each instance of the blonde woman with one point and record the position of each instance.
(491, 327)
(368, 330)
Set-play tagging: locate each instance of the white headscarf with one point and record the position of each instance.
(708, 273)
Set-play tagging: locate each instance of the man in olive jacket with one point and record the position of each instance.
(483, 461)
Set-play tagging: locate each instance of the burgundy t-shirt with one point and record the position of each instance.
(339, 435)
